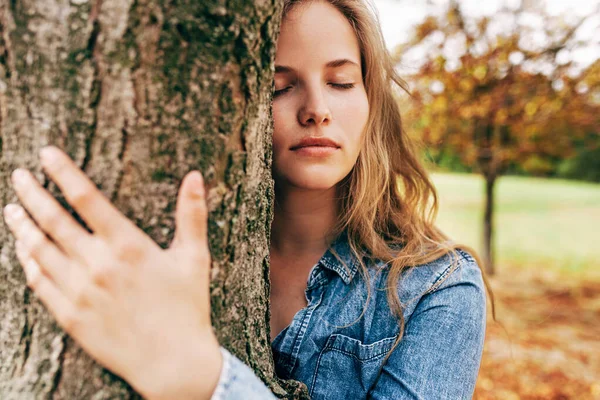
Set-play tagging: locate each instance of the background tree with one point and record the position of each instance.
(502, 92)
(140, 92)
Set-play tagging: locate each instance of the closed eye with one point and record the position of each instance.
(281, 91)
(286, 89)
(342, 85)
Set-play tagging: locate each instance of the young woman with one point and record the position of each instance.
(368, 297)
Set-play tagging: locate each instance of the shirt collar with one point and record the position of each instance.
(342, 248)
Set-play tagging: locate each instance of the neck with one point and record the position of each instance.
(302, 220)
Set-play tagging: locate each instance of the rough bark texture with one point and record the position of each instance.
(139, 92)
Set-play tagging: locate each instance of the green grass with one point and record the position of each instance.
(539, 222)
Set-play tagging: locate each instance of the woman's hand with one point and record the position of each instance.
(140, 311)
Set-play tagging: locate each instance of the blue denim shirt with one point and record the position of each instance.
(338, 355)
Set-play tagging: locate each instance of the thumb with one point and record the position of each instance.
(191, 213)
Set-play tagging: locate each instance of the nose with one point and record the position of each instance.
(315, 110)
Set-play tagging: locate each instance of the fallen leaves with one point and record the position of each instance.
(547, 344)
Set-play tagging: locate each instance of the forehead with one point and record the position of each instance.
(316, 32)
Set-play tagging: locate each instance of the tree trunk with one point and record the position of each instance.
(138, 93)
(488, 224)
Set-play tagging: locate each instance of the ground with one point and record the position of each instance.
(547, 342)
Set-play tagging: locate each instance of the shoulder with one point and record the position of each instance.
(458, 267)
(454, 278)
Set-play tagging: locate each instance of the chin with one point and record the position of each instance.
(313, 184)
(311, 176)
(312, 179)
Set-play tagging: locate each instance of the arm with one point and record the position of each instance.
(237, 381)
(440, 353)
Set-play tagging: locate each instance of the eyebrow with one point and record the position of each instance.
(330, 64)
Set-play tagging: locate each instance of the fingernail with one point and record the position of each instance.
(48, 154)
(11, 211)
(18, 176)
(197, 183)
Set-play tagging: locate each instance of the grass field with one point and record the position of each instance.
(539, 222)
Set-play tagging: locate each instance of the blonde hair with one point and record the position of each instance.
(388, 203)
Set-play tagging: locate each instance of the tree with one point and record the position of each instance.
(139, 92)
(489, 92)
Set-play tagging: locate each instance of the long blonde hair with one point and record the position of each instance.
(388, 203)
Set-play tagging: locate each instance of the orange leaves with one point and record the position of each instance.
(547, 347)
(440, 104)
(479, 72)
(501, 117)
(493, 90)
(425, 28)
(466, 84)
(530, 109)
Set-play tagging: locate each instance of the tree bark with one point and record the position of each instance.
(488, 223)
(138, 93)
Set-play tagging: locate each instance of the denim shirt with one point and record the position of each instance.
(338, 353)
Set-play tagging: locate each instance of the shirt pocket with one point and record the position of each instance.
(347, 368)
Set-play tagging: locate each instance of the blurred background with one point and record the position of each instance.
(505, 102)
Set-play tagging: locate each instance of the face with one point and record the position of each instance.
(320, 106)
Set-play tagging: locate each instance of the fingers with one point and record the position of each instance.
(47, 291)
(81, 193)
(34, 245)
(191, 213)
(50, 215)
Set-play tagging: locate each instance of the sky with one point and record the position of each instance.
(397, 17)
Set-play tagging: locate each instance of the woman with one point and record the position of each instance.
(390, 309)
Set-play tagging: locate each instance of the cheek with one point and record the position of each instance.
(280, 121)
(356, 112)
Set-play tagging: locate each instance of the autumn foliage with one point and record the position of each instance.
(491, 92)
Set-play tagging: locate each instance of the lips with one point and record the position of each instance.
(315, 142)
